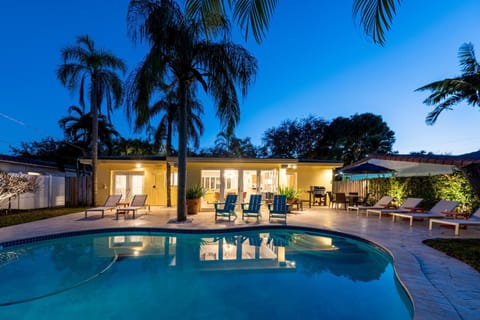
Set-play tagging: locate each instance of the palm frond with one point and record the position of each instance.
(441, 90)
(153, 20)
(448, 92)
(375, 17)
(468, 62)
(254, 15)
(446, 105)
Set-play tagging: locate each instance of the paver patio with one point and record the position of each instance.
(442, 288)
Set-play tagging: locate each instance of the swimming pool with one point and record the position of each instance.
(271, 274)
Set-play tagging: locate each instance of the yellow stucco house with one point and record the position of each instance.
(218, 176)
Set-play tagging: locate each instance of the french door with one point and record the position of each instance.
(128, 184)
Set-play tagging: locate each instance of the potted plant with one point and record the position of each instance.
(194, 195)
(291, 193)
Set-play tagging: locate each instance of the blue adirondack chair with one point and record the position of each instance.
(228, 208)
(253, 209)
(279, 208)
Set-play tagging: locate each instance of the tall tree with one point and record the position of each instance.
(169, 108)
(344, 139)
(77, 129)
(449, 92)
(351, 139)
(93, 72)
(47, 149)
(227, 145)
(133, 147)
(299, 138)
(182, 56)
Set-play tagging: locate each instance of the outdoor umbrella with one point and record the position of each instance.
(366, 169)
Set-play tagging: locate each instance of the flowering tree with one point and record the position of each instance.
(13, 184)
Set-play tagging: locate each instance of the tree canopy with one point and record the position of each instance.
(182, 57)
(343, 139)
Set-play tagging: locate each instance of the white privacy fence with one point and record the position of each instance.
(50, 193)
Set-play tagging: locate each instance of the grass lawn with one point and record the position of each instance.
(466, 250)
(23, 216)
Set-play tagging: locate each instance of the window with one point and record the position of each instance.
(211, 180)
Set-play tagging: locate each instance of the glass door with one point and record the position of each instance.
(211, 185)
(128, 185)
(268, 183)
(249, 183)
(230, 177)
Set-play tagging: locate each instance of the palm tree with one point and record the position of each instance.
(449, 92)
(180, 57)
(133, 147)
(86, 68)
(375, 16)
(169, 107)
(78, 129)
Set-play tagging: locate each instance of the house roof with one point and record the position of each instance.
(34, 163)
(420, 164)
(333, 163)
(456, 160)
(20, 160)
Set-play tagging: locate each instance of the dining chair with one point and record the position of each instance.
(340, 198)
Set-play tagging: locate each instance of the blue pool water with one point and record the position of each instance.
(269, 274)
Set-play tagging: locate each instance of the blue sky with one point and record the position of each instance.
(314, 60)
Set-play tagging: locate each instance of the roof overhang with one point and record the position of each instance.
(420, 165)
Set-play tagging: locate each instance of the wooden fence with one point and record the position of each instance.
(78, 191)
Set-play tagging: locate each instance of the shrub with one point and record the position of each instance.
(195, 192)
(291, 193)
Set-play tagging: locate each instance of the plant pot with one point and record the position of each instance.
(193, 206)
(291, 202)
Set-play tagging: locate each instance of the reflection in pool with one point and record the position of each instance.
(271, 274)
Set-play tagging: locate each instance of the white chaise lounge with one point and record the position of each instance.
(409, 205)
(138, 203)
(110, 204)
(474, 220)
(381, 204)
(435, 212)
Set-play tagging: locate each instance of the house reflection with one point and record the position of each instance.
(249, 251)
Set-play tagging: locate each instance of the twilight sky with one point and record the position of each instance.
(313, 60)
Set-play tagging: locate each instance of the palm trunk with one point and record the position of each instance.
(94, 105)
(94, 150)
(182, 155)
(169, 167)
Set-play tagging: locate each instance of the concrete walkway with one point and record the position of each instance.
(442, 288)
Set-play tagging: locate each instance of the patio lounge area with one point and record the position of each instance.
(441, 287)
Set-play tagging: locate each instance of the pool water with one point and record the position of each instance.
(269, 274)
